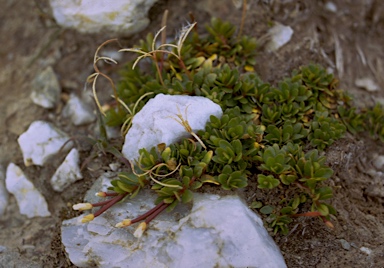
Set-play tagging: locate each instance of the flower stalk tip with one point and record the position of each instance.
(328, 223)
(123, 223)
(82, 206)
(87, 218)
(140, 230)
(101, 194)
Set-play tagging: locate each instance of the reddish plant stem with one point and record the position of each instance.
(154, 212)
(307, 214)
(111, 194)
(109, 204)
(149, 212)
(184, 68)
(316, 214)
(303, 187)
(102, 203)
(184, 188)
(157, 212)
(125, 161)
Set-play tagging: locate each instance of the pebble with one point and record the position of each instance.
(367, 83)
(115, 166)
(41, 141)
(156, 122)
(31, 203)
(68, 172)
(95, 16)
(46, 89)
(280, 35)
(378, 162)
(366, 250)
(345, 244)
(330, 6)
(78, 111)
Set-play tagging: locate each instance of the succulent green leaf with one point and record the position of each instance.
(324, 193)
(295, 202)
(267, 209)
(267, 182)
(323, 209)
(256, 204)
(196, 185)
(187, 196)
(286, 210)
(186, 180)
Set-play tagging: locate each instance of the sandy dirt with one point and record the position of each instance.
(349, 41)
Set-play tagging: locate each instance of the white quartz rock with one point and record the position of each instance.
(217, 232)
(41, 141)
(68, 172)
(367, 83)
(93, 16)
(280, 35)
(330, 6)
(46, 89)
(378, 161)
(31, 202)
(3, 192)
(156, 123)
(78, 111)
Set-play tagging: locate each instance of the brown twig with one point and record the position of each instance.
(243, 15)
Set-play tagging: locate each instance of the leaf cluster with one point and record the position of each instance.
(272, 135)
(290, 166)
(174, 66)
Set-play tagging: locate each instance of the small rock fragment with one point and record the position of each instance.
(3, 192)
(366, 250)
(46, 89)
(31, 202)
(94, 16)
(115, 166)
(2, 248)
(330, 6)
(345, 244)
(280, 35)
(41, 141)
(378, 162)
(78, 111)
(157, 121)
(68, 172)
(367, 83)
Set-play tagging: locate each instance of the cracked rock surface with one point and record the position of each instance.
(214, 233)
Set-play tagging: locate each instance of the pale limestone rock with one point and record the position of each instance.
(280, 35)
(68, 172)
(330, 6)
(217, 232)
(78, 111)
(94, 16)
(378, 161)
(367, 83)
(156, 122)
(31, 202)
(46, 89)
(41, 141)
(366, 250)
